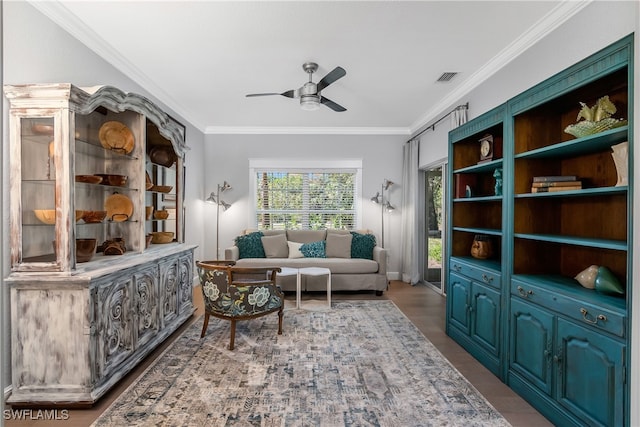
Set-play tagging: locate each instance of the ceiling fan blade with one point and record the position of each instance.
(334, 75)
(288, 94)
(329, 103)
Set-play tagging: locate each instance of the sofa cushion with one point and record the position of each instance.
(336, 265)
(362, 245)
(250, 245)
(294, 250)
(275, 246)
(306, 236)
(338, 245)
(314, 249)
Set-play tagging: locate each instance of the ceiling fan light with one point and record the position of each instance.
(310, 102)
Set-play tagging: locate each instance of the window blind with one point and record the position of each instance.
(306, 199)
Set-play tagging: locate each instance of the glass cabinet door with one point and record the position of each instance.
(37, 194)
(164, 180)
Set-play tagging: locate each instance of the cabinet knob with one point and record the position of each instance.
(487, 279)
(589, 318)
(523, 293)
(456, 267)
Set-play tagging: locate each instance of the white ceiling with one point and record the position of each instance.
(202, 57)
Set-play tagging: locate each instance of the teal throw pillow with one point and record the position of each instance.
(314, 249)
(250, 245)
(362, 245)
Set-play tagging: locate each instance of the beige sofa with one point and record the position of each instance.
(282, 248)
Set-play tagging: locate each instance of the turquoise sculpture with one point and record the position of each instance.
(497, 174)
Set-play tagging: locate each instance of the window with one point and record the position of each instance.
(305, 194)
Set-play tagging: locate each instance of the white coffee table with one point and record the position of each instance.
(313, 271)
(286, 272)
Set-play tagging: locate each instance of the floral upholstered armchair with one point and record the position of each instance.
(238, 293)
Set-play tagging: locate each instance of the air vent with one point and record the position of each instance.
(446, 76)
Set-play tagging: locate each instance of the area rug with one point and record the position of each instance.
(361, 364)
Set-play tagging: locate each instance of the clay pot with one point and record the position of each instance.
(481, 247)
(85, 249)
(94, 216)
(161, 214)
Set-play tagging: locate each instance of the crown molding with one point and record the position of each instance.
(59, 14)
(63, 17)
(273, 130)
(552, 20)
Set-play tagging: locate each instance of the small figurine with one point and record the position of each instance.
(497, 174)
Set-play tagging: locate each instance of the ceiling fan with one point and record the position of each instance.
(309, 93)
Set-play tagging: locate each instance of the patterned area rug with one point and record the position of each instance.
(361, 364)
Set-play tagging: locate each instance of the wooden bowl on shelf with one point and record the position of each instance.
(89, 179)
(93, 217)
(85, 249)
(113, 179)
(162, 155)
(162, 237)
(162, 188)
(161, 214)
(47, 216)
(148, 212)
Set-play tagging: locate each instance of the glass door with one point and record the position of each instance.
(434, 225)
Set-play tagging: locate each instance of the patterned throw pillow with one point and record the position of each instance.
(314, 249)
(250, 245)
(362, 245)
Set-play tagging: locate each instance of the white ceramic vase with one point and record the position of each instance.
(620, 158)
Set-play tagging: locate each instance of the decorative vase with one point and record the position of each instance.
(620, 158)
(481, 247)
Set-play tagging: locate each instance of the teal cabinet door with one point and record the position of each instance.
(590, 375)
(485, 317)
(459, 300)
(531, 345)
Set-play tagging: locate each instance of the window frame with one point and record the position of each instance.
(305, 166)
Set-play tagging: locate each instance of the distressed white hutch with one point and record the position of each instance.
(79, 327)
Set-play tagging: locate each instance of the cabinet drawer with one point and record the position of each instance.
(483, 275)
(585, 312)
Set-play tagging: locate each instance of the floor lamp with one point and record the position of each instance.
(385, 205)
(215, 198)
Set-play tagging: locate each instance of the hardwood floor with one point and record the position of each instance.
(421, 304)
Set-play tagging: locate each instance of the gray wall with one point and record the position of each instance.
(228, 159)
(36, 50)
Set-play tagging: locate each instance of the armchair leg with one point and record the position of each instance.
(204, 325)
(233, 334)
(280, 313)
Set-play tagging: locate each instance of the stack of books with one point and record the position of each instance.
(547, 184)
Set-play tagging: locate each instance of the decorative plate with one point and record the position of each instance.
(116, 136)
(119, 207)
